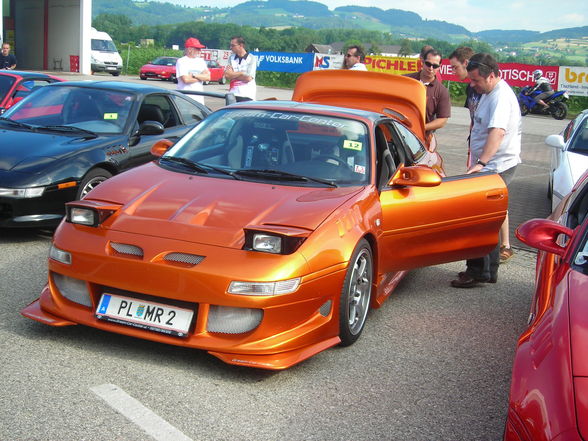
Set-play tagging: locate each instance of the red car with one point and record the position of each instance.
(15, 85)
(217, 72)
(549, 389)
(162, 68)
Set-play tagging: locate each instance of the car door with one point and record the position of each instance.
(160, 108)
(425, 224)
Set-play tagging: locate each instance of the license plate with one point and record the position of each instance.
(145, 315)
(111, 68)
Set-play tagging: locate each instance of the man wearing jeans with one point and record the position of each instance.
(495, 146)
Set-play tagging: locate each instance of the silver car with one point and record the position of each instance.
(569, 159)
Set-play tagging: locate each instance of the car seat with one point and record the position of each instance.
(150, 112)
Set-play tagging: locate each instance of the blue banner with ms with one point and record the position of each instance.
(284, 61)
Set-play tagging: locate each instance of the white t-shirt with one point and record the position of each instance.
(358, 66)
(497, 109)
(248, 66)
(187, 66)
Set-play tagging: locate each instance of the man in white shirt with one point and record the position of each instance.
(495, 145)
(191, 69)
(354, 58)
(241, 70)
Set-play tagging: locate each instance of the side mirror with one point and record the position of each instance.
(151, 128)
(416, 176)
(555, 141)
(160, 147)
(542, 234)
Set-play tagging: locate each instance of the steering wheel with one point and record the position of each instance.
(333, 157)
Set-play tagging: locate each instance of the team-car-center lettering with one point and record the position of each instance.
(312, 119)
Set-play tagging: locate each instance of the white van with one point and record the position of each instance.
(104, 57)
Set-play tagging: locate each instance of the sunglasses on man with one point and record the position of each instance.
(433, 65)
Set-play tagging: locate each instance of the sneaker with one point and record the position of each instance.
(505, 253)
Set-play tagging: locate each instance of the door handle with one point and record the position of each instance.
(495, 194)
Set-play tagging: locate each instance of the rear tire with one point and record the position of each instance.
(92, 179)
(356, 294)
(223, 80)
(559, 110)
(524, 109)
(173, 78)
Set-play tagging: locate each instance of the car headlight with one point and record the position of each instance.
(264, 288)
(269, 242)
(25, 193)
(88, 213)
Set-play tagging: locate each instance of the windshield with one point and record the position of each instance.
(103, 45)
(164, 62)
(580, 142)
(6, 83)
(252, 143)
(97, 110)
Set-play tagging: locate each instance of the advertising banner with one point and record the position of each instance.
(392, 65)
(574, 80)
(328, 61)
(219, 55)
(284, 61)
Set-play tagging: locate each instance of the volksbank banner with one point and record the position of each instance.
(284, 61)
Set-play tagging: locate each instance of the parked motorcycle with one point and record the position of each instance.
(557, 106)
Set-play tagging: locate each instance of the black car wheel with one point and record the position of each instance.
(143, 77)
(223, 80)
(356, 294)
(92, 179)
(173, 78)
(115, 74)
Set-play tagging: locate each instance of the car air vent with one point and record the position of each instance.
(126, 249)
(183, 259)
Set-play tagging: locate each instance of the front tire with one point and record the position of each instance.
(222, 81)
(559, 110)
(115, 74)
(92, 179)
(356, 294)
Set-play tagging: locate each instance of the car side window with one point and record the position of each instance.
(411, 141)
(188, 109)
(27, 86)
(158, 108)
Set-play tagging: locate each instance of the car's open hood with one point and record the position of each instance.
(157, 202)
(401, 97)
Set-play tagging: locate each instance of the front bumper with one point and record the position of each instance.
(294, 326)
(44, 211)
(100, 67)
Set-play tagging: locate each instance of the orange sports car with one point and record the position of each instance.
(265, 234)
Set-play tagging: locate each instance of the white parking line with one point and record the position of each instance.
(151, 423)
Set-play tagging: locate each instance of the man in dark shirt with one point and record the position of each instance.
(438, 108)
(7, 60)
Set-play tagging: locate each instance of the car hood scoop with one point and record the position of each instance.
(211, 210)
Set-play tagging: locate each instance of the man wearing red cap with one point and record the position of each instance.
(191, 69)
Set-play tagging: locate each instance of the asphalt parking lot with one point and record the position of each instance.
(433, 363)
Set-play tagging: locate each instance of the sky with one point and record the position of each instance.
(474, 15)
